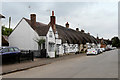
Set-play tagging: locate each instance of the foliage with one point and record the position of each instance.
(56, 55)
(40, 41)
(82, 52)
(115, 42)
(5, 31)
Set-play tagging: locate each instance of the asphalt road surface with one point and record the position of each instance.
(104, 65)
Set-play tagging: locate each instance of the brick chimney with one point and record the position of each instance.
(33, 21)
(82, 30)
(67, 25)
(97, 37)
(53, 21)
(77, 29)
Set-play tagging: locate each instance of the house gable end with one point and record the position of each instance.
(21, 23)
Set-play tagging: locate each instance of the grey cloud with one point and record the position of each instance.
(96, 18)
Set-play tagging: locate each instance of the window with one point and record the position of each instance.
(50, 34)
(11, 50)
(5, 50)
(16, 49)
(51, 47)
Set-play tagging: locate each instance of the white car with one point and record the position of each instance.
(113, 48)
(101, 50)
(92, 51)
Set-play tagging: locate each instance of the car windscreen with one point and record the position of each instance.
(4, 50)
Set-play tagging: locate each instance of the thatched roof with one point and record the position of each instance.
(66, 34)
(41, 28)
(73, 36)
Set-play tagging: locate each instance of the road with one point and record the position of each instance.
(104, 65)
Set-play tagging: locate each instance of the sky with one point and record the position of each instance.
(94, 17)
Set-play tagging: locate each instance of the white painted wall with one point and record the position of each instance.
(23, 37)
(49, 39)
(58, 46)
(58, 41)
(56, 35)
(72, 48)
(65, 47)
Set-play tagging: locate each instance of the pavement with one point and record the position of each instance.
(104, 65)
(24, 65)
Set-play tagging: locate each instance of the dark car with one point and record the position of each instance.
(8, 53)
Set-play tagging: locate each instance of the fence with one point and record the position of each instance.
(30, 54)
(25, 55)
(40, 53)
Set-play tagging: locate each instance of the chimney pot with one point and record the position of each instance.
(88, 33)
(67, 25)
(77, 29)
(82, 31)
(52, 13)
(97, 37)
(33, 21)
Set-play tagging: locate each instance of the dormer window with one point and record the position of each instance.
(50, 35)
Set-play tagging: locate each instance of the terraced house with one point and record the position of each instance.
(52, 38)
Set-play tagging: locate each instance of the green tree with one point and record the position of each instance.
(115, 42)
(40, 42)
(6, 31)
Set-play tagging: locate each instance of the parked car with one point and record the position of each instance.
(98, 50)
(94, 51)
(9, 50)
(101, 50)
(8, 53)
(113, 48)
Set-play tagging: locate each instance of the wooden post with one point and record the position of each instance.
(18, 56)
(32, 56)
